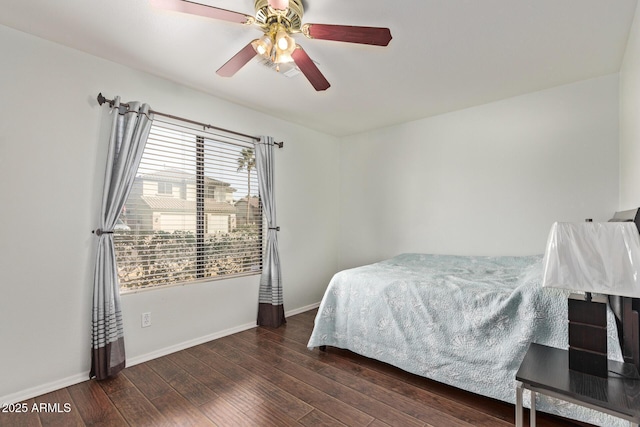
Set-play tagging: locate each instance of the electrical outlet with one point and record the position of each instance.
(146, 320)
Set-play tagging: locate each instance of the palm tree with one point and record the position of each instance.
(247, 160)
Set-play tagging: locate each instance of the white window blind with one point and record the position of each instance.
(193, 212)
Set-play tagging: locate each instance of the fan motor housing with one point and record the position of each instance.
(292, 18)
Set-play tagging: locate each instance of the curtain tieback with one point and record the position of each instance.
(274, 228)
(100, 232)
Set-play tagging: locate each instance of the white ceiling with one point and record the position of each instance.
(445, 54)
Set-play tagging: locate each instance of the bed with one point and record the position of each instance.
(462, 321)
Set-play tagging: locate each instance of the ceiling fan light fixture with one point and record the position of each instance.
(284, 41)
(276, 45)
(282, 58)
(263, 46)
(284, 46)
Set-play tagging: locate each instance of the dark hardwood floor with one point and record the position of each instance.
(265, 377)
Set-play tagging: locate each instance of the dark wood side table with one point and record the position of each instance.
(545, 370)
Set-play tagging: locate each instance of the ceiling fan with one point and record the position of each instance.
(279, 20)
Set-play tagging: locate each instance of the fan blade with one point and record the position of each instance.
(348, 33)
(238, 61)
(203, 10)
(279, 4)
(309, 69)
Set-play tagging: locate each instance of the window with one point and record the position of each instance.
(211, 227)
(165, 188)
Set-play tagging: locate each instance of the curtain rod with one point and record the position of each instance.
(111, 102)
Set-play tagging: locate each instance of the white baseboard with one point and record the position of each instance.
(32, 392)
(187, 344)
(78, 378)
(302, 309)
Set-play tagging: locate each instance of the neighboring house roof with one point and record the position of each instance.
(159, 203)
(176, 175)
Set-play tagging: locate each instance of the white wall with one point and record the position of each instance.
(630, 120)
(488, 180)
(52, 154)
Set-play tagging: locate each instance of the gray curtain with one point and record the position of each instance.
(270, 302)
(129, 131)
